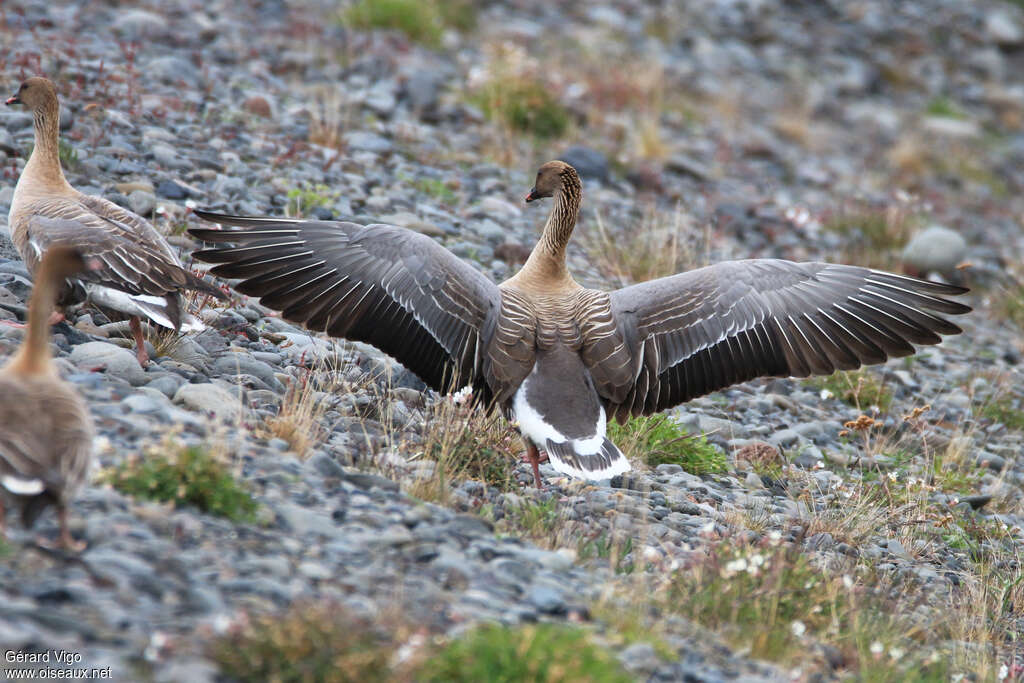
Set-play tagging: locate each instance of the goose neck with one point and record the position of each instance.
(562, 219)
(34, 358)
(43, 166)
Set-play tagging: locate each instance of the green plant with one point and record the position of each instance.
(460, 15)
(944, 107)
(311, 642)
(303, 199)
(187, 475)
(605, 547)
(522, 103)
(423, 21)
(436, 188)
(1006, 410)
(858, 388)
(657, 440)
(67, 154)
(540, 653)
(538, 520)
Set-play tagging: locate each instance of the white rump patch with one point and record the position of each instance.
(618, 466)
(533, 426)
(143, 305)
(22, 487)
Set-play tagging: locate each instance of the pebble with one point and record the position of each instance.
(209, 398)
(110, 359)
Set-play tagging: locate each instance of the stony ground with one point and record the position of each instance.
(723, 130)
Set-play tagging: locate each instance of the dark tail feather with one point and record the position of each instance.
(605, 463)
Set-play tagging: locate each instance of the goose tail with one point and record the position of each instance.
(595, 458)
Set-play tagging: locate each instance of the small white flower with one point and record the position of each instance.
(757, 560)
(735, 566)
(160, 210)
(826, 394)
(190, 204)
(896, 654)
(1004, 673)
(775, 537)
(893, 476)
(798, 628)
(462, 395)
(651, 554)
(875, 409)
(848, 581)
(877, 648)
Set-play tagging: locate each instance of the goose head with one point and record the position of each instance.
(38, 94)
(550, 178)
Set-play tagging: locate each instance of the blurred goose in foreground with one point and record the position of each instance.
(45, 428)
(560, 359)
(141, 275)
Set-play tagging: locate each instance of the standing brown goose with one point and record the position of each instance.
(559, 358)
(141, 275)
(45, 428)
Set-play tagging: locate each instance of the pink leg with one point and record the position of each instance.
(543, 456)
(534, 456)
(140, 341)
(66, 541)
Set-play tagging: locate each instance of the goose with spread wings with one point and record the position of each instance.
(561, 359)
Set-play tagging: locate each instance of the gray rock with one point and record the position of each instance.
(139, 23)
(547, 599)
(423, 89)
(301, 521)
(895, 547)
(244, 364)
(112, 359)
(166, 384)
(589, 163)
(935, 249)
(142, 202)
(784, 437)
(364, 141)
(641, 658)
(173, 69)
(209, 398)
(1004, 27)
(381, 98)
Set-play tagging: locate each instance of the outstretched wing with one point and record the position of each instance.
(387, 286)
(700, 331)
(135, 258)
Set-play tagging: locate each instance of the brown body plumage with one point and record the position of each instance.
(140, 275)
(45, 429)
(557, 357)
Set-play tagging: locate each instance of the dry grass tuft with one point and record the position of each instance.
(299, 414)
(663, 244)
(329, 117)
(874, 233)
(319, 642)
(466, 443)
